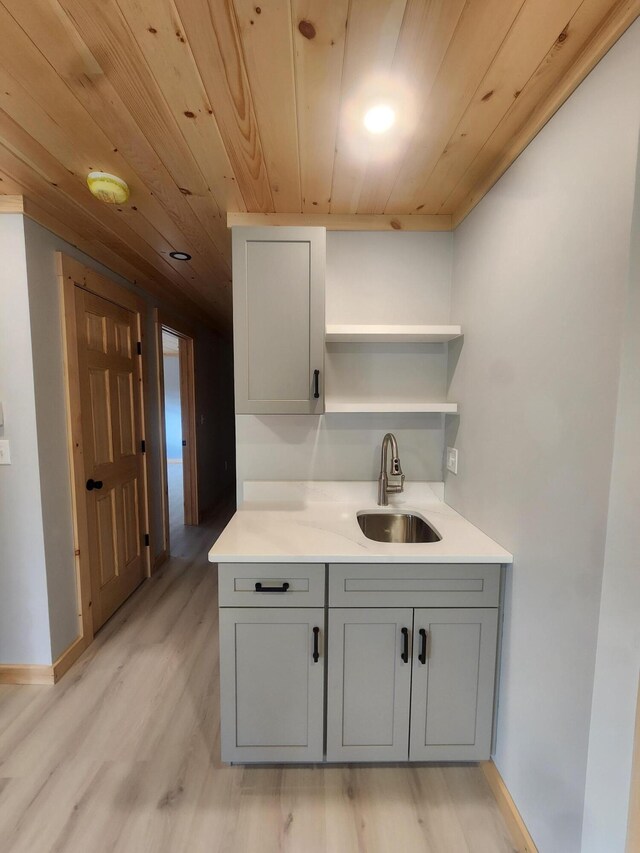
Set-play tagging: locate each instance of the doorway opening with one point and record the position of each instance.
(173, 431)
(177, 399)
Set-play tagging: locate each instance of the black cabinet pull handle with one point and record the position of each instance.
(405, 645)
(260, 588)
(316, 383)
(316, 653)
(422, 657)
(94, 484)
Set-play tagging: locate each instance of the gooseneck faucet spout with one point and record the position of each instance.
(389, 480)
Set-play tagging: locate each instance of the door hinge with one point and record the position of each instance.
(184, 443)
(146, 540)
(139, 347)
(143, 446)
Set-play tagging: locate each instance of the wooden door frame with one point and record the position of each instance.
(72, 274)
(186, 335)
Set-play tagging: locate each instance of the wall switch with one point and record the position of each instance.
(5, 454)
(452, 459)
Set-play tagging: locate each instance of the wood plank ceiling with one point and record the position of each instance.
(209, 107)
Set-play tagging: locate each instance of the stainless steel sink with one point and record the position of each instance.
(402, 527)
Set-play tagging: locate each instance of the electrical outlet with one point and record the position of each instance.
(5, 454)
(452, 459)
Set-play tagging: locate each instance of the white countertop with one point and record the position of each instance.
(316, 522)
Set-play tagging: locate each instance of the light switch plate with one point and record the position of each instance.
(5, 453)
(452, 459)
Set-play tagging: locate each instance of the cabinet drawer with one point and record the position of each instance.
(271, 584)
(413, 585)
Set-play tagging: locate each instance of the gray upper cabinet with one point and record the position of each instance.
(278, 319)
(454, 659)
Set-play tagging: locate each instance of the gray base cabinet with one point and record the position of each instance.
(408, 682)
(272, 688)
(369, 684)
(454, 659)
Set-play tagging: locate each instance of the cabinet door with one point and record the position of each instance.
(454, 663)
(271, 684)
(278, 316)
(369, 684)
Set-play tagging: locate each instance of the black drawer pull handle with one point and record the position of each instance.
(316, 384)
(316, 653)
(94, 484)
(260, 588)
(405, 645)
(422, 657)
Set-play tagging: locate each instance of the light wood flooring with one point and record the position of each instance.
(123, 754)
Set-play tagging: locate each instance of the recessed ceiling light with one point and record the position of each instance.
(180, 256)
(379, 118)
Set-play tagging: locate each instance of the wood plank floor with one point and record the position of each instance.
(123, 755)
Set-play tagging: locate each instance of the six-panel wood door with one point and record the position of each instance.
(272, 683)
(452, 687)
(278, 315)
(369, 684)
(109, 376)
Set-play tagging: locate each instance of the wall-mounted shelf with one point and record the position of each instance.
(345, 406)
(391, 334)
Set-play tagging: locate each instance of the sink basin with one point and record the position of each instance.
(402, 527)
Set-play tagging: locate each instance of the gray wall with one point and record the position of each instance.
(618, 658)
(24, 615)
(371, 278)
(539, 285)
(37, 566)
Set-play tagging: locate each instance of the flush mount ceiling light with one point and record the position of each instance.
(108, 188)
(379, 119)
(180, 256)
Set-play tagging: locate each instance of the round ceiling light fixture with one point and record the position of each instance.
(180, 256)
(379, 119)
(108, 188)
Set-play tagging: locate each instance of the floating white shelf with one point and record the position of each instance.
(359, 333)
(335, 406)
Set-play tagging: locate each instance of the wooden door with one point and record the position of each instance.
(369, 684)
(454, 663)
(109, 377)
(278, 311)
(271, 684)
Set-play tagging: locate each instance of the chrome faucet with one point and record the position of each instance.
(393, 480)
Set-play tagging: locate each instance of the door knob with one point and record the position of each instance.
(94, 484)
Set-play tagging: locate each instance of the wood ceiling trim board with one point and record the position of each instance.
(52, 33)
(53, 136)
(345, 221)
(535, 30)
(159, 35)
(27, 162)
(427, 30)
(373, 29)
(266, 37)
(11, 203)
(595, 27)
(478, 36)
(318, 61)
(212, 32)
